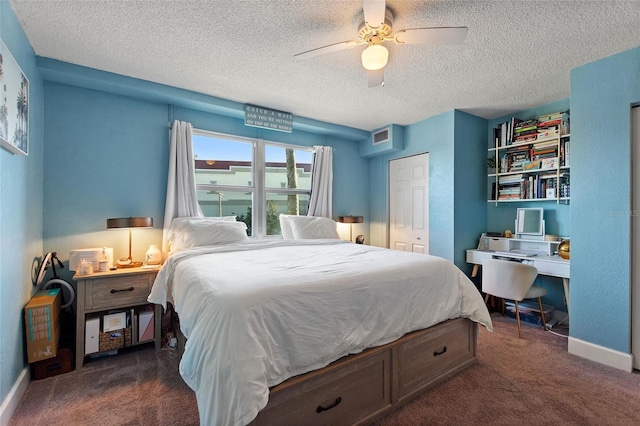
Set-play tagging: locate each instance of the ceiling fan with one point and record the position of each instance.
(376, 29)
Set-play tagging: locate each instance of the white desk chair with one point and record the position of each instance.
(513, 281)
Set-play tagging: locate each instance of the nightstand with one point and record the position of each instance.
(111, 290)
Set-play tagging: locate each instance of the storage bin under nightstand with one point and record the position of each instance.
(112, 290)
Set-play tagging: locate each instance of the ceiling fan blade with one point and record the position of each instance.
(374, 11)
(325, 49)
(375, 78)
(439, 35)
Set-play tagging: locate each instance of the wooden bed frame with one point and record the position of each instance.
(358, 389)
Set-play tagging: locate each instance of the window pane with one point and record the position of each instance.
(287, 168)
(222, 161)
(227, 203)
(287, 204)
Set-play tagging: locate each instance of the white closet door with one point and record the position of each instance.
(409, 204)
(635, 243)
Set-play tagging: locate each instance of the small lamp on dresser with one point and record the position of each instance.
(350, 220)
(129, 222)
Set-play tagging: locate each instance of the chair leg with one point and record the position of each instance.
(518, 319)
(544, 321)
(486, 298)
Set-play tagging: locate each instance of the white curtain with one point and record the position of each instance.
(182, 199)
(320, 202)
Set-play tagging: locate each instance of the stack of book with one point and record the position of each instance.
(515, 159)
(544, 150)
(549, 125)
(509, 187)
(525, 131)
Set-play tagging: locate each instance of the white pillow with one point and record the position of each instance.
(179, 222)
(312, 227)
(196, 233)
(285, 227)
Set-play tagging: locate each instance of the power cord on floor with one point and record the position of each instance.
(557, 334)
(558, 325)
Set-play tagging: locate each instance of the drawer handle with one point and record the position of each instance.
(436, 353)
(320, 408)
(124, 289)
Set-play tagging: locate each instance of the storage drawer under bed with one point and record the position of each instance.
(434, 355)
(340, 396)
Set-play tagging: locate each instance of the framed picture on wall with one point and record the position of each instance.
(14, 104)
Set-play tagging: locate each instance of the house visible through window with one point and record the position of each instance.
(244, 178)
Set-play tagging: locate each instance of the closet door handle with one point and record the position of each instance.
(124, 289)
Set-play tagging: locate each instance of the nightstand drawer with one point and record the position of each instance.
(113, 292)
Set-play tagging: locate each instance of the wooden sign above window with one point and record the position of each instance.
(265, 118)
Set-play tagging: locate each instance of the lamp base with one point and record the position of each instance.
(130, 265)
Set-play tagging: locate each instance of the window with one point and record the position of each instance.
(244, 177)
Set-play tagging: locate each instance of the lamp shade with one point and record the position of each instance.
(350, 219)
(374, 57)
(130, 222)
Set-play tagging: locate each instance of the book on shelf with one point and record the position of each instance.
(512, 124)
(525, 131)
(544, 150)
(509, 197)
(526, 124)
(527, 138)
(558, 119)
(551, 128)
(553, 116)
(546, 134)
(565, 156)
(546, 144)
(549, 163)
(504, 134)
(508, 182)
(531, 165)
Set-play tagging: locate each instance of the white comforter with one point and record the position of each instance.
(258, 312)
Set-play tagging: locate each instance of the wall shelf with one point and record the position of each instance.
(531, 160)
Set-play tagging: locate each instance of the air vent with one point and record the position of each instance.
(381, 136)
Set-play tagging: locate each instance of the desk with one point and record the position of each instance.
(553, 266)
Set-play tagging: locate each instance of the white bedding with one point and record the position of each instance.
(258, 312)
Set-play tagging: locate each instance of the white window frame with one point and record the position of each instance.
(258, 189)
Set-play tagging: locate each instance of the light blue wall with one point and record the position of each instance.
(470, 213)
(557, 216)
(602, 93)
(454, 141)
(20, 211)
(107, 156)
(435, 136)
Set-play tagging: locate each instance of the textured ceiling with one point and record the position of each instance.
(517, 54)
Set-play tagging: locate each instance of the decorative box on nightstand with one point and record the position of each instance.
(100, 293)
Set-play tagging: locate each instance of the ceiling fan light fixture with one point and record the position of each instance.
(375, 57)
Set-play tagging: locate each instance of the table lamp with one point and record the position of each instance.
(350, 220)
(129, 222)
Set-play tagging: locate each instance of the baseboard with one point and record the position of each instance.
(14, 396)
(600, 354)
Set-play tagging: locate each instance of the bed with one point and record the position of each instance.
(306, 331)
